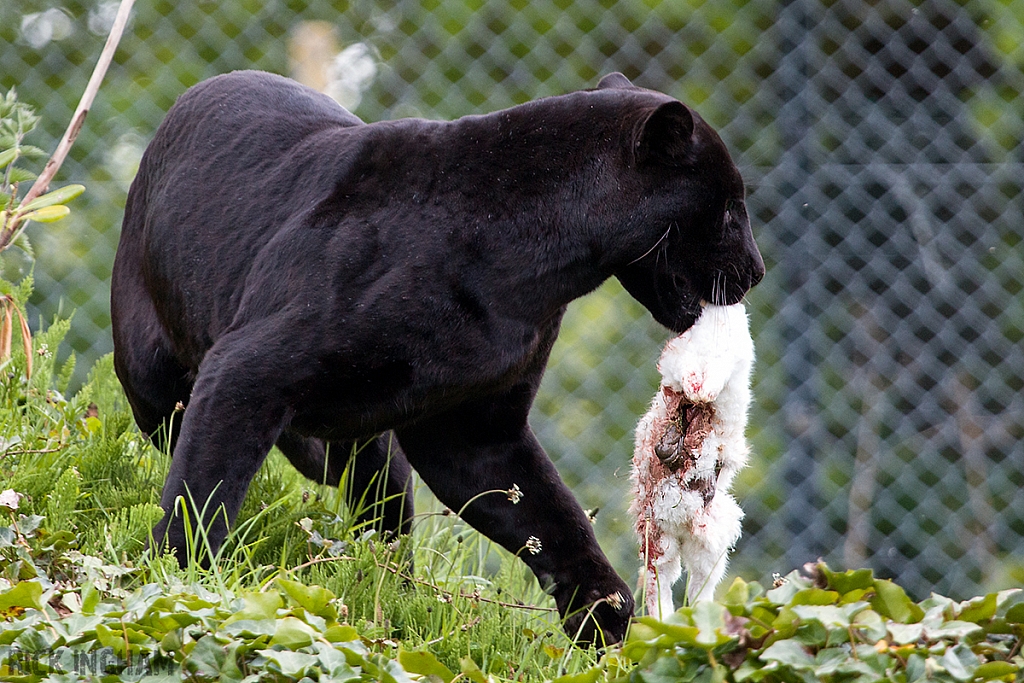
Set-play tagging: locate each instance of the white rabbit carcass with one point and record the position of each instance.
(689, 447)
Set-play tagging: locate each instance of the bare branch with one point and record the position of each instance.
(78, 119)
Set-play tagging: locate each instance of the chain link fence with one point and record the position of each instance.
(882, 146)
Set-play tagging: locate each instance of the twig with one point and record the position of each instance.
(4, 454)
(465, 596)
(398, 572)
(78, 119)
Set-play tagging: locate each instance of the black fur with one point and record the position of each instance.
(295, 276)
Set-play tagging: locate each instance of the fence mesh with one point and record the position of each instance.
(882, 145)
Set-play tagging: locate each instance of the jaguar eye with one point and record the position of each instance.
(730, 204)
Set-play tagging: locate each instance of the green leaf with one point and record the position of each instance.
(830, 616)
(830, 660)
(32, 152)
(738, 595)
(250, 628)
(293, 633)
(471, 671)
(24, 595)
(854, 579)
(589, 676)
(979, 609)
(8, 156)
(1015, 615)
(90, 598)
(21, 175)
(679, 633)
(293, 664)
(917, 668)
(891, 601)
(815, 596)
(789, 653)
(314, 599)
(870, 625)
(905, 634)
(341, 634)
(59, 196)
(210, 659)
(49, 214)
(991, 670)
(425, 664)
(335, 663)
(959, 662)
(258, 606)
(709, 618)
(953, 630)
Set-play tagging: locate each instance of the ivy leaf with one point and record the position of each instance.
(789, 653)
(211, 659)
(845, 582)
(251, 628)
(589, 676)
(709, 618)
(815, 596)
(471, 671)
(891, 601)
(335, 663)
(258, 606)
(992, 670)
(979, 609)
(341, 634)
(954, 630)
(959, 662)
(292, 633)
(425, 664)
(293, 664)
(870, 625)
(737, 596)
(1015, 615)
(22, 596)
(830, 616)
(905, 634)
(681, 634)
(314, 599)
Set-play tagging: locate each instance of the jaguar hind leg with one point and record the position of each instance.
(377, 477)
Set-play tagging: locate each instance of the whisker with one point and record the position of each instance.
(655, 246)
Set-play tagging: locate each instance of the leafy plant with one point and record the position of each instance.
(302, 591)
(80, 581)
(822, 625)
(16, 121)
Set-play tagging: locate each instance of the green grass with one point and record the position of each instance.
(83, 467)
(302, 592)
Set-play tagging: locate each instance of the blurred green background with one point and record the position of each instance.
(882, 147)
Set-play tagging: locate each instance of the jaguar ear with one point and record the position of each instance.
(614, 81)
(666, 135)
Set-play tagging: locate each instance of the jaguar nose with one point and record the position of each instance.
(756, 268)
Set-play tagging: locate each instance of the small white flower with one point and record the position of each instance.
(533, 545)
(515, 494)
(10, 498)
